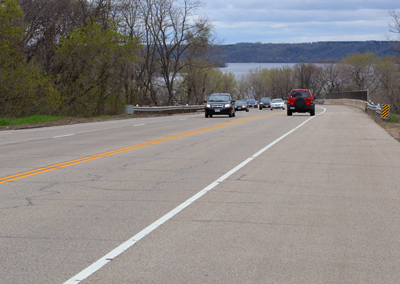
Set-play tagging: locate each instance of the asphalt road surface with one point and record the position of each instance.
(258, 198)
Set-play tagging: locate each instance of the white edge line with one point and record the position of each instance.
(127, 244)
(63, 136)
(139, 124)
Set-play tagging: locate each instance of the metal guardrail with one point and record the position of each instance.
(169, 108)
(371, 106)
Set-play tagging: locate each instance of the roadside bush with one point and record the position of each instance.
(394, 118)
(26, 91)
(90, 59)
(24, 88)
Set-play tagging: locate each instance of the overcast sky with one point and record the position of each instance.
(294, 21)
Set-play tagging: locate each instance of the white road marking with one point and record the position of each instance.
(139, 124)
(182, 119)
(55, 137)
(129, 243)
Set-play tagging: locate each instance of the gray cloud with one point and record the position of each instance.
(299, 21)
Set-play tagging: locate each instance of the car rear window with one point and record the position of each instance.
(300, 94)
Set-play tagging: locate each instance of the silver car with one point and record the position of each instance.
(277, 103)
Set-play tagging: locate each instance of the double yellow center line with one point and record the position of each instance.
(118, 151)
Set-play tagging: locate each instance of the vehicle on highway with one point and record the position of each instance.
(252, 103)
(277, 103)
(220, 103)
(264, 102)
(300, 100)
(241, 105)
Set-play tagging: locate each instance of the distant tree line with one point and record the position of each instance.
(301, 52)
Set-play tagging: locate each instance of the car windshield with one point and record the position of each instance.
(219, 98)
(265, 100)
(300, 94)
(251, 101)
(277, 101)
(240, 102)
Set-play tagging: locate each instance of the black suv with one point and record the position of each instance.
(300, 100)
(264, 102)
(220, 103)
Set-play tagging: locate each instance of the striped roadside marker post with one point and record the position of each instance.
(385, 112)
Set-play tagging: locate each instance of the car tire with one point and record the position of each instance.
(289, 112)
(271, 108)
(230, 115)
(206, 115)
(312, 112)
(210, 115)
(247, 110)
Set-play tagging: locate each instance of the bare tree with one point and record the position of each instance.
(387, 69)
(359, 68)
(283, 80)
(258, 83)
(307, 75)
(394, 27)
(243, 87)
(199, 59)
(170, 26)
(332, 78)
(48, 21)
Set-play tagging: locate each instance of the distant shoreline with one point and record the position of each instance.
(243, 68)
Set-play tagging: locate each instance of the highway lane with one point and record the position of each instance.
(327, 212)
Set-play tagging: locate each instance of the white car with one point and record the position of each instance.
(277, 103)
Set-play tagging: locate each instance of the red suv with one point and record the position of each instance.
(300, 100)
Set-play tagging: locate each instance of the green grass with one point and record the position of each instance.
(393, 118)
(28, 120)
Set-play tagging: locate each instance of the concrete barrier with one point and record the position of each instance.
(357, 103)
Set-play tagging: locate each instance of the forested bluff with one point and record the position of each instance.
(301, 52)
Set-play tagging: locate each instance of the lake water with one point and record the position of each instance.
(243, 68)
